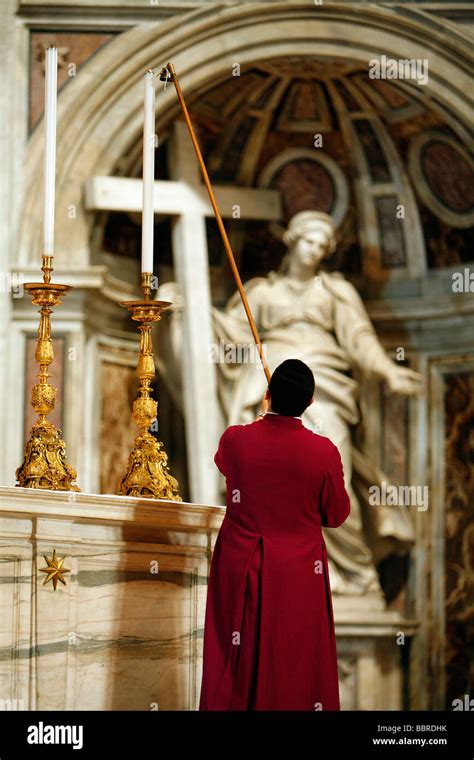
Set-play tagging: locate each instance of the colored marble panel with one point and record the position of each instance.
(449, 176)
(377, 163)
(392, 237)
(304, 184)
(118, 428)
(459, 535)
(73, 48)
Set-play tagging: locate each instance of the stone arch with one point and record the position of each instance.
(100, 112)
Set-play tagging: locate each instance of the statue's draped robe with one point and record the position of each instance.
(269, 641)
(324, 323)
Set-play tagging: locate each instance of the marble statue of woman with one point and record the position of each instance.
(306, 313)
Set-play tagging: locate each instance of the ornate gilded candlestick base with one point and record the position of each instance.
(44, 464)
(147, 473)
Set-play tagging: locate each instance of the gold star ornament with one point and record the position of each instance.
(55, 570)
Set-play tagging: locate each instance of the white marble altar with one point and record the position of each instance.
(125, 633)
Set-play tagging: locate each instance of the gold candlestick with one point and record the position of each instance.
(147, 473)
(44, 463)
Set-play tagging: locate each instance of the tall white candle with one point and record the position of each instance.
(50, 106)
(148, 171)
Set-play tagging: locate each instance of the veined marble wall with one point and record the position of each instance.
(118, 389)
(459, 541)
(441, 583)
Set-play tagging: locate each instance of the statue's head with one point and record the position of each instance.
(310, 237)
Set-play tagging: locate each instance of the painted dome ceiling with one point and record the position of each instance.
(382, 156)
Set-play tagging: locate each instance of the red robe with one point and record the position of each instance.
(269, 640)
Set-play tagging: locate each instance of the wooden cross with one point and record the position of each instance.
(185, 198)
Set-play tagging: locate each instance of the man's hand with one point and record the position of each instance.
(404, 381)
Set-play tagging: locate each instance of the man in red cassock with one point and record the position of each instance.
(269, 640)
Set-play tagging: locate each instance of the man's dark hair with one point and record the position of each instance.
(291, 388)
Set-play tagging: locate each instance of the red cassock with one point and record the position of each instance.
(269, 640)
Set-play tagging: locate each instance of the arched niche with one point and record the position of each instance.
(100, 112)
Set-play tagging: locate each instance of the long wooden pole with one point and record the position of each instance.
(169, 73)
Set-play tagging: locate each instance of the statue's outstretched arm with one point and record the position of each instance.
(357, 336)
